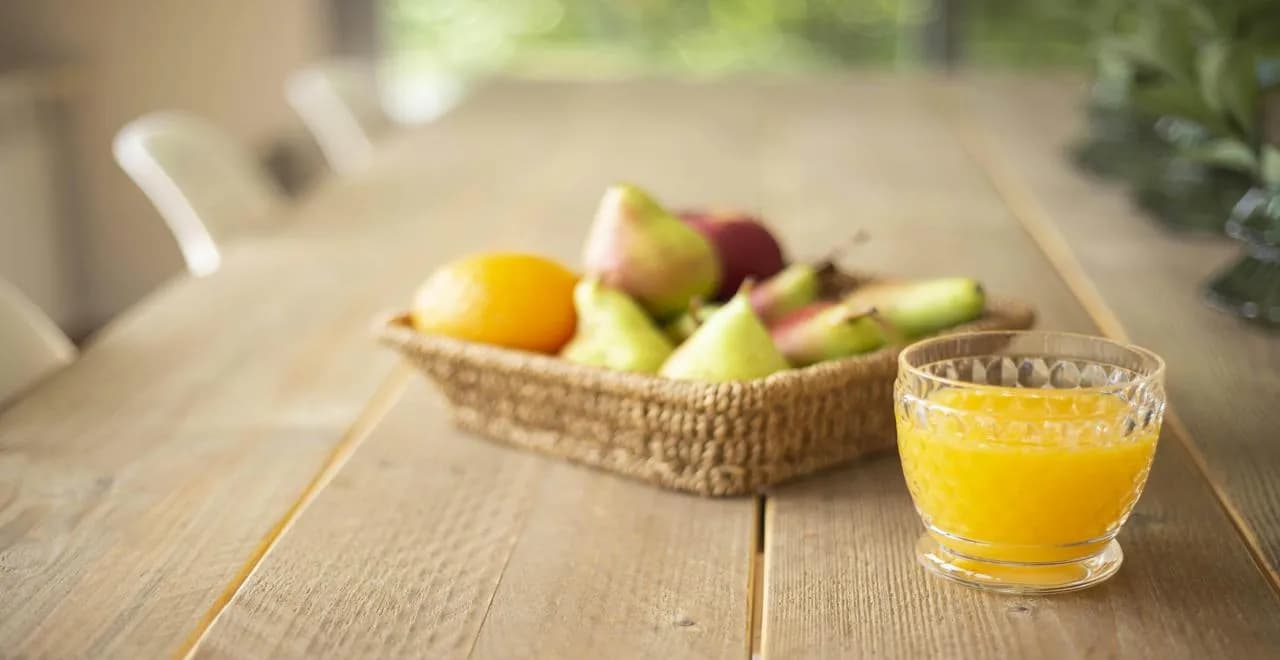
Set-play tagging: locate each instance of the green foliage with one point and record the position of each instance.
(1270, 166)
(722, 36)
(1171, 98)
(1200, 60)
(1229, 84)
(1224, 153)
(1160, 41)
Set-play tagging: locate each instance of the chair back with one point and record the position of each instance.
(207, 187)
(31, 346)
(341, 105)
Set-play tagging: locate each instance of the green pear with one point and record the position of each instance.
(794, 287)
(637, 246)
(687, 323)
(732, 344)
(799, 284)
(922, 307)
(614, 332)
(826, 331)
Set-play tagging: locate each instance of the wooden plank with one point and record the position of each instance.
(584, 564)
(608, 568)
(840, 578)
(202, 477)
(135, 486)
(842, 582)
(428, 534)
(1223, 381)
(137, 481)
(692, 145)
(408, 570)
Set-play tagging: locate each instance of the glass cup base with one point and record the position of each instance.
(1018, 578)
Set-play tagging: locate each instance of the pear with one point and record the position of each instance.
(684, 325)
(613, 331)
(732, 344)
(922, 307)
(826, 331)
(796, 286)
(637, 246)
(799, 284)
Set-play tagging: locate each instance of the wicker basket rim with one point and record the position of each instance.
(394, 329)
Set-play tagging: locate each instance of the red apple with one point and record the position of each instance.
(745, 246)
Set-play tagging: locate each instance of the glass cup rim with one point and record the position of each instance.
(905, 367)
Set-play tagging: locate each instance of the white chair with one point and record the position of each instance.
(340, 103)
(31, 346)
(206, 187)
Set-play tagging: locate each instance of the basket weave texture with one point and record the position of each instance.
(711, 439)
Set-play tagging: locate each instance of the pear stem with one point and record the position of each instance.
(852, 315)
(695, 311)
(827, 262)
(890, 332)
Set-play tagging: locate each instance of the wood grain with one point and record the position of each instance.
(175, 466)
(1223, 375)
(610, 568)
(840, 580)
(137, 481)
(136, 484)
(428, 534)
(590, 565)
(398, 556)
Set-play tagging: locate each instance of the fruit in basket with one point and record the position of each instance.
(796, 286)
(614, 332)
(687, 323)
(744, 245)
(733, 344)
(637, 246)
(826, 330)
(920, 307)
(507, 299)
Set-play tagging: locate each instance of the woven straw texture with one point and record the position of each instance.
(710, 439)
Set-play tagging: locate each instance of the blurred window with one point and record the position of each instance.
(572, 38)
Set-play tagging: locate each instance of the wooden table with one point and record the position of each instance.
(235, 469)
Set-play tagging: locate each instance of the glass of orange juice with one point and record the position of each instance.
(1025, 452)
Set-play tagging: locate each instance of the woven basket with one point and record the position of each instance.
(710, 439)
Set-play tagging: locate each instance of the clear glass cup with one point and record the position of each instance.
(1025, 452)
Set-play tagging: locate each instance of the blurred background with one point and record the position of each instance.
(80, 239)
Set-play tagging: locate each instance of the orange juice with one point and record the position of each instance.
(1024, 475)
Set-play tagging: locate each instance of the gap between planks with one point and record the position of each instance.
(762, 586)
(755, 584)
(1037, 222)
(379, 404)
(497, 584)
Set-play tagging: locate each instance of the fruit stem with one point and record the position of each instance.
(695, 310)
(852, 315)
(827, 263)
(890, 332)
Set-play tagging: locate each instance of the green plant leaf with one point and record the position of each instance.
(1212, 17)
(1168, 34)
(1269, 167)
(1178, 100)
(1210, 62)
(1224, 153)
(1161, 41)
(1181, 132)
(1229, 84)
